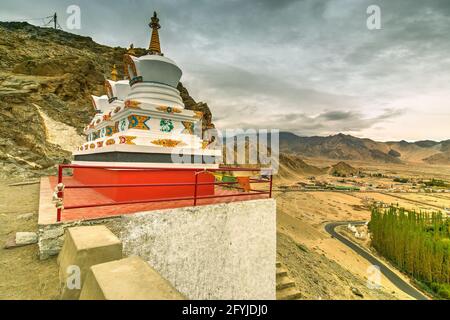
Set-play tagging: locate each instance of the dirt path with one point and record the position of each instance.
(22, 274)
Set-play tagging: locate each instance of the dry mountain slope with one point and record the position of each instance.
(343, 169)
(54, 72)
(292, 166)
(317, 277)
(346, 147)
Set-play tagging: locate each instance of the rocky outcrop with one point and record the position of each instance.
(190, 104)
(394, 153)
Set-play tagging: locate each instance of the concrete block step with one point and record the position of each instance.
(284, 282)
(289, 294)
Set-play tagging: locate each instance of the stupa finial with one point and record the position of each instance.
(155, 47)
(114, 73)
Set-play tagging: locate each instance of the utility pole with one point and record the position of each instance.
(55, 19)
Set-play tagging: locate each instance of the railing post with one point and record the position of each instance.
(271, 182)
(195, 188)
(60, 193)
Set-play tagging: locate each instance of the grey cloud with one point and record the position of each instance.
(337, 115)
(323, 124)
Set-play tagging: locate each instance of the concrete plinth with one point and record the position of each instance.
(84, 247)
(217, 251)
(127, 279)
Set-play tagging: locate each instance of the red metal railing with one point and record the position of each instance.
(196, 184)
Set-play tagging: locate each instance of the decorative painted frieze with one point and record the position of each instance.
(122, 125)
(138, 122)
(109, 131)
(132, 104)
(188, 127)
(117, 109)
(168, 143)
(166, 125)
(169, 110)
(126, 140)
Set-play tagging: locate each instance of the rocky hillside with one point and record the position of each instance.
(46, 79)
(343, 169)
(291, 166)
(346, 147)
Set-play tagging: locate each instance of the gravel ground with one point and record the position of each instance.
(22, 275)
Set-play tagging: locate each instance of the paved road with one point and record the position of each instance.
(388, 273)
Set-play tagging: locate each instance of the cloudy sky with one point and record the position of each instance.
(307, 66)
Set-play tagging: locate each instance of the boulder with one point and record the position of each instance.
(26, 238)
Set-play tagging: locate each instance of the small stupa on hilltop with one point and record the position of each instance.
(142, 121)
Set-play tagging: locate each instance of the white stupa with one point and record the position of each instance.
(142, 121)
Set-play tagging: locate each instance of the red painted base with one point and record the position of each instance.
(124, 177)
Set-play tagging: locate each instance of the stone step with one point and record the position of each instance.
(278, 264)
(288, 294)
(281, 272)
(84, 247)
(131, 278)
(284, 282)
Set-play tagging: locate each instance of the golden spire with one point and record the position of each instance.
(114, 74)
(155, 47)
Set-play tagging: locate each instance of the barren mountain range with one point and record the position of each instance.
(346, 147)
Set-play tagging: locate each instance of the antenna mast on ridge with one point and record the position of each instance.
(54, 19)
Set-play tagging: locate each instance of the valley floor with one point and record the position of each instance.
(324, 268)
(321, 266)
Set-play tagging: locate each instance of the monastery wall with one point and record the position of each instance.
(222, 251)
